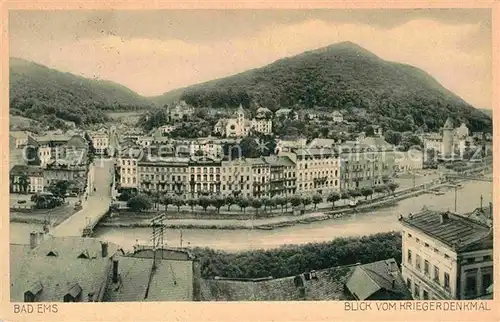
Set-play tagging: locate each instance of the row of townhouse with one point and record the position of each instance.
(305, 171)
(190, 176)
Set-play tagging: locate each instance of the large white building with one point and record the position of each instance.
(100, 141)
(451, 142)
(446, 256)
(317, 170)
(240, 125)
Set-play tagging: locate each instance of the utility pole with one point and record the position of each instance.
(413, 180)
(181, 238)
(481, 204)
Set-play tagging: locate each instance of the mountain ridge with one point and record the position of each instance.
(341, 76)
(37, 91)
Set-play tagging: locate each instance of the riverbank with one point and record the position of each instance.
(269, 223)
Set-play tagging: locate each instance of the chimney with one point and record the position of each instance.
(443, 217)
(104, 249)
(115, 271)
(33, 239)
(41, 237)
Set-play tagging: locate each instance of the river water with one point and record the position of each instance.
(382, 220)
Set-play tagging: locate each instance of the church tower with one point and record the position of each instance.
(447, 145)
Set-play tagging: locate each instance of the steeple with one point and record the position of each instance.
(448, 125)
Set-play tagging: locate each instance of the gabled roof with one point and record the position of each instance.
(383, 275)
(30, 171)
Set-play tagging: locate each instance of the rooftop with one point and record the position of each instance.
(458, 232)
(57, 266)
(21, 169)
(371, 278)
(328, 286)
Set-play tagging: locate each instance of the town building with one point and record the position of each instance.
(50, 147)
(179, 111)
(19, 138)
(205, 177)
(100, 141)
(317, 170)
(286, 113)
(446, 256)
(165, 129)
(78, 175)
(239, 125)
(411, 160)
(26, 179)
(237, 177)
(61, 269)
(282, 176)
(337, 117)
(451, 143)
(163, 173)
(366, 162)
(289, 144)
(126, 164)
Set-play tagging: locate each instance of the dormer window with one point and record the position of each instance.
(84, 255)
(32, 294)
(74, 294)
(52, 253)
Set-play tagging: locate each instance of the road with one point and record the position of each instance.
(96, 205)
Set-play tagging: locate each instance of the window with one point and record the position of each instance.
(426, 267)
(409, 235)
(487, 281)
(418, 240)
(409, 257)
(470, 260)
(447, 281)
(417, 262)
(436, 274)
(417, 291)
(471, 285)
(487, 258)
(426, 245)
(426, 295)
(408, 283)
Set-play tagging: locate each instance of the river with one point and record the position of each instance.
(382, 220)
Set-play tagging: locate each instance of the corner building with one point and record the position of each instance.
(446, 256)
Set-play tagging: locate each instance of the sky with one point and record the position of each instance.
(152, 52)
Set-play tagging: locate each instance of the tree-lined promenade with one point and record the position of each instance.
(155, 200)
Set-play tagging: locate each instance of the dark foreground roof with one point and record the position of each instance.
(458, 232)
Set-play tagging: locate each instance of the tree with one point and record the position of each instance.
(256, 204)
(354, 193)
(230, 200)
(204, 202)
(380, 188)
(393, 186)
(91, 150)
(268, 202)
(155, 198)
(306, 201)
(333, 197)
(192, 203)
(316, 199)
(60, 188)
(281, 202)
(366, 191)
(218, 202)
(243, 203)
(295, 201)
(345, 195)
(166, 201)
(178, 202)
(139, 202)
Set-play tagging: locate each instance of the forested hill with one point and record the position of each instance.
(342, 76)
(38, 92)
